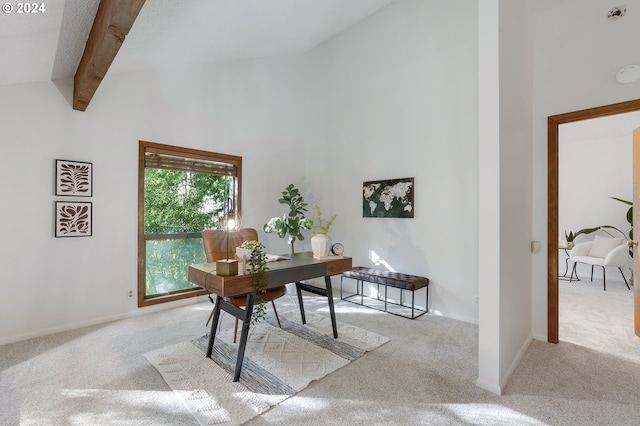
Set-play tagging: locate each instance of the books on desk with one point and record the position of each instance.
(329, 257)
(275, 257)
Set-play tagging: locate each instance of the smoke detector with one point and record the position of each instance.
(617, 12)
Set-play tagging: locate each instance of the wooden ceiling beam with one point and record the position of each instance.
(113, 21)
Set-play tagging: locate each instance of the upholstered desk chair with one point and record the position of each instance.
(604, 252)
(215, 248)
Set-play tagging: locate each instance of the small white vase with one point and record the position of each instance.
(320, 245)
(243, 253)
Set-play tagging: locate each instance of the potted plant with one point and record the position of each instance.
(290, 224)
(629, 221)
(320, 242)
(256, 265)
(569, 239)
(244, 251)
(604, 228)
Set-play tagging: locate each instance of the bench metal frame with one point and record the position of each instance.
(360, 292)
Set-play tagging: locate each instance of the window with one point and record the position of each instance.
(181, 192)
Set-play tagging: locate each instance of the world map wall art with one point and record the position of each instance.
(388, 198)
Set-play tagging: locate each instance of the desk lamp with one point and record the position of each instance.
(230, 223)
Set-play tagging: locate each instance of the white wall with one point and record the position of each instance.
(505, 189)
(575, 65)
(489, 213)
(383, 100)
(516, 96)
(386, 99)
(396, 97)
(49, 284)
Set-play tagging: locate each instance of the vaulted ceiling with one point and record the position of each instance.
(48, 45)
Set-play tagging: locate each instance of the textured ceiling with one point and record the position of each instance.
(49, 45)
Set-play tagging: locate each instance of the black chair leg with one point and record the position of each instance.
(573, 271)
(592, 273)
(624, 278)
(604, 278)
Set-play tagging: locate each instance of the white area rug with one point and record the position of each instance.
(278, 363)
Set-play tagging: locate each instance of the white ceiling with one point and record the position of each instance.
(49, 45)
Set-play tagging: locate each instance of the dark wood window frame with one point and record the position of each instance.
(179, 152)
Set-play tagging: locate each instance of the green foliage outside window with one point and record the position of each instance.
(167, 263)
(178, 202)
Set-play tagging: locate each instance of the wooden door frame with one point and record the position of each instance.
(636, 220)
(553, 123)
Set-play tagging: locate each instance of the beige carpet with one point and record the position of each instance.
(597, 319)
(279, 362)
(425, 375)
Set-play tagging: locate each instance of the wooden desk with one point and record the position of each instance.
(299, 266)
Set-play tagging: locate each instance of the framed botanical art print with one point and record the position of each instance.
(73, 219)
(74, 178)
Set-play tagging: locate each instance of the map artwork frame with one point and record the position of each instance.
(388, 198)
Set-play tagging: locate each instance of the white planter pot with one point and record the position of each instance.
(320, 245)
(242, 253)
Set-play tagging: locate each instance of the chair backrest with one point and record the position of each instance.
(602, 246)
(215, 242)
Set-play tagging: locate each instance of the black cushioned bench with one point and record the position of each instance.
(403, 282)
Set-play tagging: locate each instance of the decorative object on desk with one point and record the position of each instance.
(73, 219)
(320, 245)
(231, 222)
(320, 241)
(74, 178)
(337, 249)
(244, 251)
(257, 267)
(291, 223)
(205, 387)
(388, 198)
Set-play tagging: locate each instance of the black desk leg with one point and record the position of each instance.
(300, 302)
(326, 292)
(214, 325)
(245, 332)
(332, 312)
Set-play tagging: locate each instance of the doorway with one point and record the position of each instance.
(553, 124)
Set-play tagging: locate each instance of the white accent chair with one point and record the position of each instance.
(602, 251)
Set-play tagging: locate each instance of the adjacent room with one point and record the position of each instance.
(595, 189)
(413, 135)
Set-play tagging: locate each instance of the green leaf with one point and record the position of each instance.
(622, 201)
(293, 222)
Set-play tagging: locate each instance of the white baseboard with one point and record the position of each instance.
(497, 388)
(516, 361)
(95, 321)
(489, 387)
